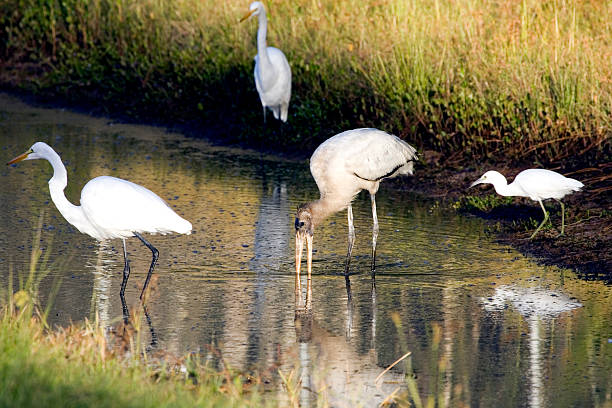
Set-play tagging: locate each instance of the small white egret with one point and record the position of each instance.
(110, 208)
(536, 184)
(342, 166)
(272, 71)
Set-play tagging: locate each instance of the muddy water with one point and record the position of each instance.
(484, 325)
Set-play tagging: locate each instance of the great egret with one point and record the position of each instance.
(342, 166)
(110, 208)
(272, 71)
(536, 184)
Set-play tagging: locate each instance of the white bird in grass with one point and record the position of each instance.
(272, 71)
(536, 184)
(342, 166)
(110, 208)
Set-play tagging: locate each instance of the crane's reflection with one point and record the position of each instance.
(334, 371)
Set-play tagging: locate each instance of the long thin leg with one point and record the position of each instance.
(153, 262)
(562, 217)
(543, 221)
(264, 113)
(126, 271)
(351, 239)
(374, 233)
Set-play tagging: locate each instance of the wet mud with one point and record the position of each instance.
(585, 247)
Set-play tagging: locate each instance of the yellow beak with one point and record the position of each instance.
(299, 247)
(247, 15)
(20, 157)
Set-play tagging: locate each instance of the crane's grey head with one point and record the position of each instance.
(490, 177)
(39, 150)
(303, 221)
(255, 9)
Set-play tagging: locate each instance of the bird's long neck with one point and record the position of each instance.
(262, 47)
(504, 189)
(324, 207)
(72, 213)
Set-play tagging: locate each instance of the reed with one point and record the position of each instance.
(508, 80)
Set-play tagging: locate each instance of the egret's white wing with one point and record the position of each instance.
(119, 207)
(541, 184)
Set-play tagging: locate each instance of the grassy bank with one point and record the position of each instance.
(76, 367)
(85, 365)
(471, 79)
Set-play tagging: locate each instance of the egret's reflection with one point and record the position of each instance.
(272, 232)
(539, 306)
(129, 320)
(102, 282)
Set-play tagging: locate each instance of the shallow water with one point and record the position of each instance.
(484, 325)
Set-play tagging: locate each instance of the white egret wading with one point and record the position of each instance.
(536, 184)
(110, 208)
(272, 71)
(342, 166)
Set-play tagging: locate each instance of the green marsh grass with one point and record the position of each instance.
(481, 203)
(511, 80)
(76, 367)
(84, 365)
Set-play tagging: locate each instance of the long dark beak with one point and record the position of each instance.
(247, 15)
(20, 157)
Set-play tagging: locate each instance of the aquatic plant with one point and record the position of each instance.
(481, 203)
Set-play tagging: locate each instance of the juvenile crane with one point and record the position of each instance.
(536, 184)
(342, 166)
(110, 208)
(272, 71)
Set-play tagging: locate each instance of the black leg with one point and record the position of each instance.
(126, 272)
(153, 261)
(126, 311)
(374, 233)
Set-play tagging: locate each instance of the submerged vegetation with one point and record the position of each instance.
(525, 80)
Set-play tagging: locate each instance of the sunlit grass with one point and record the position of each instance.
(469, 78)
(85, 365)
(76, 366)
